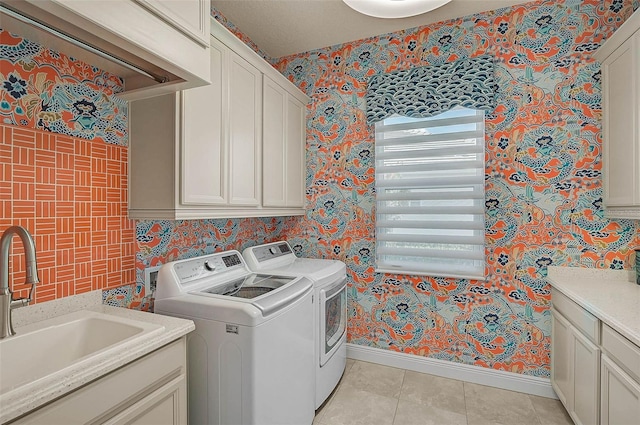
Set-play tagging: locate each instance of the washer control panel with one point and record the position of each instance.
(207, 266)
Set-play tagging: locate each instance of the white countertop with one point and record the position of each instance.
(29, 397)
(610, 295)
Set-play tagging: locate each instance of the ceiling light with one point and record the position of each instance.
(394, 8)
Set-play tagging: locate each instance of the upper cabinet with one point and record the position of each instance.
(167, 39)
(234, 148)
(620, 58)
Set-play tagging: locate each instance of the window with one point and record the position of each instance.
(430, 195)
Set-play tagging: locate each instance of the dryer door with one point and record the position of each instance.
(333, 318)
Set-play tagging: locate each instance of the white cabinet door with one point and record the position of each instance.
(575, 370)
(296, 152)
(620, 76)
(273, 144)
(245, 132)
(165, 406)
(204, 143)
(586, 380)
(561, 359)
(284, 134)
(620, 396)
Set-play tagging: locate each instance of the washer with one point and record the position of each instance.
(330, 308)
(250, 358)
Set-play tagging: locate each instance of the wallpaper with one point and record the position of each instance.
(46, 90)
(543, 181)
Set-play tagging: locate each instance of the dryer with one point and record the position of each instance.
(330, 306)
(250, 358)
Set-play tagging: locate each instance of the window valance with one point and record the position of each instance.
(430, 90)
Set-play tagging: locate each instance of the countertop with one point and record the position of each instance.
(610, 295)
(28, 397)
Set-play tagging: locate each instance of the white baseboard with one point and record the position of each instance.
(462, 372)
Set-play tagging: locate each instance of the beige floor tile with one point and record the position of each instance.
(352, 406)
(434, 391)
(374, 378)
(411, 412)
(488, 405)
(550, 411)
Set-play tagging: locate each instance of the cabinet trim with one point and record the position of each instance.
(238, 46)
(221, 212)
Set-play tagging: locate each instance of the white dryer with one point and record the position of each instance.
(330, 306)
(250, 358)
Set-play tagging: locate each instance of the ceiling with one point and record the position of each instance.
(285, 27)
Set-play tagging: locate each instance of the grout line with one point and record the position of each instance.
(395, 413)
(466, 411)
(534, 409)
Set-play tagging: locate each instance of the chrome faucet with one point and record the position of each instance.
(7, 303)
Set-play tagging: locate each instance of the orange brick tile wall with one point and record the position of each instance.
(71, 194)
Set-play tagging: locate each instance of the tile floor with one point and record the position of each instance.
(372, 394)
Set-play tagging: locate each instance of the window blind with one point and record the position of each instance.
(430, 194)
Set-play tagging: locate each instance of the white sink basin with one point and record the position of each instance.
(49, 347)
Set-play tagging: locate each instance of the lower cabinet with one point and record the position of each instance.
(595, 371)
(151, 390)
(575, 370)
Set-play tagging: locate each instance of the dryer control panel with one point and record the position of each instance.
(265, 253)
(270, 255)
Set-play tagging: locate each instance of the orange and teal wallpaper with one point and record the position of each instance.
(543, 181)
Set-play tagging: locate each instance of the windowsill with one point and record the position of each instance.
(417, 273)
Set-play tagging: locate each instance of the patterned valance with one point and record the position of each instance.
(429, 90)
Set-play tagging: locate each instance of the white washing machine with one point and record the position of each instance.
(250, 358)
(330, 306)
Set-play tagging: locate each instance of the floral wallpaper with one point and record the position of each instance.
(43, 89)
(543, 181)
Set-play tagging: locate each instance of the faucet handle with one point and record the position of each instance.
(22, 302)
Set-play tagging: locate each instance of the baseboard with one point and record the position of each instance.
(475, 374)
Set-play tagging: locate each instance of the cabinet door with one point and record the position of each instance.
(296, 158)
(620, 396)
(274, 133)
(621, 150)
(284, 139)
(561, 359)
(204, 142)
(245, 132)
(586, 380)
(165, 406)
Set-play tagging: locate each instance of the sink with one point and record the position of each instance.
(49, 347)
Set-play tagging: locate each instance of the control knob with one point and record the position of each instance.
(209, 265)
